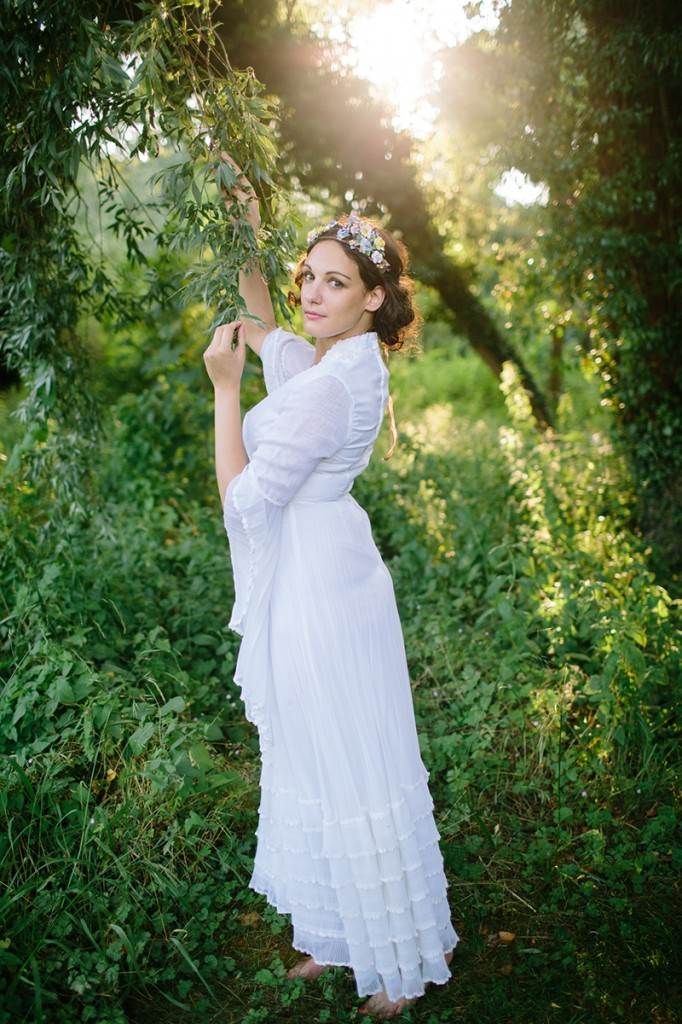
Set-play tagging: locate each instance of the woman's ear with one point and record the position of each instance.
(375, 298)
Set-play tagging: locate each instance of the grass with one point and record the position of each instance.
(544, 658)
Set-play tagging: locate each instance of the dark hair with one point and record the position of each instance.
(397, 320)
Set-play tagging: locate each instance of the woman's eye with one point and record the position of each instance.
(334, 280)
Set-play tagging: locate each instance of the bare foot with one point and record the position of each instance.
(307, 968)
(379, 1005)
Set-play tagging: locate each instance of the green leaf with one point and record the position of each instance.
(264, 977)
(63, 691)
(141, 737)
(174, 705)
(201, 756)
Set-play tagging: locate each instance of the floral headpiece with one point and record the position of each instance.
(357, 233)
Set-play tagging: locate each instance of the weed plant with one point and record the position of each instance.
(544, 658)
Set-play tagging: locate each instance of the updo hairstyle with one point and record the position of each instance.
(397, 321)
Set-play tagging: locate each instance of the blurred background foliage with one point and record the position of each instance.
(529, 155)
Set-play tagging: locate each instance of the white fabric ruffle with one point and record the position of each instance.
(367, 892)
(347, 843)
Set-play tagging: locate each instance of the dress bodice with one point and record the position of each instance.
(307, 440)
(345, 392)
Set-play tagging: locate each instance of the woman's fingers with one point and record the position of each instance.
(225, 363)
(222, 337)
(224, 334)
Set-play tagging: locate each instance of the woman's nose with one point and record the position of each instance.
(313, 290)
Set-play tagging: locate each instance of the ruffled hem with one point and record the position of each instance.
(407, 981)
(366, 891)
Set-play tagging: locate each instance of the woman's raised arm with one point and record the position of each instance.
(253, 287)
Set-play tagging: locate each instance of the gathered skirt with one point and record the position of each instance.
(347, 843)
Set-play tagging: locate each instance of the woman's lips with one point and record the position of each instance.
(314, 316)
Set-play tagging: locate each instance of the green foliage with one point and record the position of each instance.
(545, 662)
(129, 777)
(544, 654)
(81, 89)
(595, 602)
(442, 374)
(582, 99)
(123, 796)
(591, 112)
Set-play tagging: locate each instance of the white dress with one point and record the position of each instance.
(346, 839)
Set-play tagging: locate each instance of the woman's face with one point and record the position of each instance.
(335, 300)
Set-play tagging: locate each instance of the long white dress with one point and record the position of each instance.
(346, 841)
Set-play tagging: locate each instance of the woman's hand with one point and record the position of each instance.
(245, 194)
(225, 364)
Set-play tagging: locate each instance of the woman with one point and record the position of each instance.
(347, 842)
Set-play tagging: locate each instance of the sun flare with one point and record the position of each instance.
(394, 46)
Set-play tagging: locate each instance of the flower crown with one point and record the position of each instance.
(357, 233)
